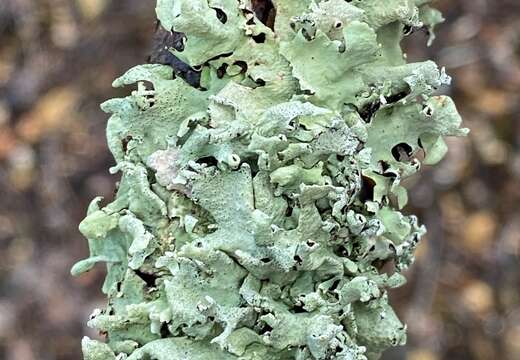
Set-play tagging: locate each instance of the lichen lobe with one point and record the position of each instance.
(257, 207)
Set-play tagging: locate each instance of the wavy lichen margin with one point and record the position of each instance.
(259, 212)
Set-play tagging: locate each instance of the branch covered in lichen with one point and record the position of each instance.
(258, 215)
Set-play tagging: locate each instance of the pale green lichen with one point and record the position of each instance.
(256, 210)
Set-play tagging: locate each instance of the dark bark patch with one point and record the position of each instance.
(265, 12)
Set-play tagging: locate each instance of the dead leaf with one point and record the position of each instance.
(477, 296)
(479, 231)
(422, 354)
(91, 9)
(52, 112)
(494, 102)
(7, 141)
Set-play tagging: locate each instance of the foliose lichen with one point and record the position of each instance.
(259, 211)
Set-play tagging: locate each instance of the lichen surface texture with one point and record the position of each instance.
(258, 216)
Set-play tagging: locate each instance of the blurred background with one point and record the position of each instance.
(57, 61)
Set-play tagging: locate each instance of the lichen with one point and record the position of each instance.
(259, 214)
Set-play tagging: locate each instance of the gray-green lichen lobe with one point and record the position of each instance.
(256, 213)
